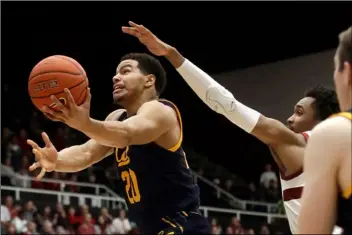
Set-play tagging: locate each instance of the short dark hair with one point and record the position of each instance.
(344, 50)
(149, 65)
(325, 103)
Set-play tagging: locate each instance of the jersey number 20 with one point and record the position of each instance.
(132, 189)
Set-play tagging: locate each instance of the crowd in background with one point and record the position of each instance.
(25, 217)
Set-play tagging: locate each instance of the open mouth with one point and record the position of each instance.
(118, 88)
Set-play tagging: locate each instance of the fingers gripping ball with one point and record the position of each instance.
(51, 76)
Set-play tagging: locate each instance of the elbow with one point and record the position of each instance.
(220, 99)
(125, 137)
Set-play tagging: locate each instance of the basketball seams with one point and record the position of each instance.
(49, 72)
(79, 69)
(39, 97)
(82, 92)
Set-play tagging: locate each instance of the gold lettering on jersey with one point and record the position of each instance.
(132, 189)
(123, 160)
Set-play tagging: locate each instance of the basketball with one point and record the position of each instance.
(51, 76)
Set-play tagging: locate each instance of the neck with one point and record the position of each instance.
(133, 106)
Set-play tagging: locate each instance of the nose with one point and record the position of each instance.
(116, 79)
(290, 120)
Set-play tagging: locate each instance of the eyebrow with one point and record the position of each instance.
(123, 66)
(299, 106)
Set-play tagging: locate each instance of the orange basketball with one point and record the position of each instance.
(52, 75)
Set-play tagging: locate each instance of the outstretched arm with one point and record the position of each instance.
(71, 159)
(153, 119)
(215, 96)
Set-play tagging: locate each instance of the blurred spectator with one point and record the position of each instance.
(267, 175)
(250, 231)
(12, 229)
(229, 230)
(264, 230)
(273, 192)
(19, 222)
(29, 211)
(72, 217)
(9, 204)
(101, 226)
(215, 227)
(60, 216)
(46, 216)
(47, 227)
(31, 229)
(86, 226)
(236, 226)
(5, 217)
(106, 215)
(121, 224)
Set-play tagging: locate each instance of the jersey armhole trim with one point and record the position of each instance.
(291, 176)
(347, 193)
(178, 114)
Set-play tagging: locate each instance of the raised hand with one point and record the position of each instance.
(71, 114)
(46, 157)
(152, 42)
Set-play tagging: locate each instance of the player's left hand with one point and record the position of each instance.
(73, 115)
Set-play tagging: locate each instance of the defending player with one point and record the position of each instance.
(327, 162)
(287, 144)
(146, 135)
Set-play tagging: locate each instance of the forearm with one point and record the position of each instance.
(74, 159)
(108, 133)
(213, 94)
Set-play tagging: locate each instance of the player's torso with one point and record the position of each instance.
(291, 195)
(157, 182)
(292, 187)
(344, 205)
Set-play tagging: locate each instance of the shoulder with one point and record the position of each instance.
(114, 115)
(333, 134)
(158, 111)
(157, 108)
(331, 128)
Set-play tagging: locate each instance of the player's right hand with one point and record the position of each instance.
(145, 36)
(46, 157)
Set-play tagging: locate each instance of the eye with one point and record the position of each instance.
(299, 112)
(125, 71)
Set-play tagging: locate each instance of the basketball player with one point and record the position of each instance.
(146, 135)
(286, 144)
(327, 194)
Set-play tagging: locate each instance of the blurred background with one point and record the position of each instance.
(266, 53)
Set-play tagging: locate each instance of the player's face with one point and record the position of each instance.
(342, 79)
(303, 117)
(128, 81)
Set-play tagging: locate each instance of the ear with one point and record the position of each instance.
(347, 73)
(149, 80)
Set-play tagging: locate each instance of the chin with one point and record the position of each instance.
(118, 99)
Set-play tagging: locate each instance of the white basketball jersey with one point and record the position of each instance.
(292, 188)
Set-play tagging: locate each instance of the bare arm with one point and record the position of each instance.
(80, 157)
(321, 163)
(152, 120)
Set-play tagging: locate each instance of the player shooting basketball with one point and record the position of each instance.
(327, 196)
(286, 144)
(146, 136)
